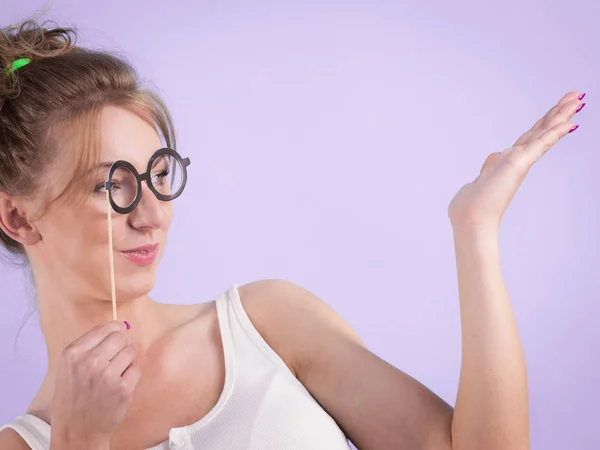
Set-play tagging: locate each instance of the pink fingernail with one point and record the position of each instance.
(574, 128)
(581, 96)
(579, 108)
(127, 324)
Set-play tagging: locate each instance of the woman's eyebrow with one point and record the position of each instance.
(102, 165)
(108, 164)
(162, 158)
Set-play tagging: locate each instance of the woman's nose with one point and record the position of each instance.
(150, 212)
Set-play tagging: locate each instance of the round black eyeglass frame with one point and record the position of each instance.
(183, 163)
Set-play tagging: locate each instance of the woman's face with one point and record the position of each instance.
(74, 242)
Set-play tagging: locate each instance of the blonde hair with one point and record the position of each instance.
(59, 97)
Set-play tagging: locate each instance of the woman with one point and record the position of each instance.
(266, 365)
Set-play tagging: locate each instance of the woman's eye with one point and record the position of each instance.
(160, 177)
(102, 187)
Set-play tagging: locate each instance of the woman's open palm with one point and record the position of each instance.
(483, 202)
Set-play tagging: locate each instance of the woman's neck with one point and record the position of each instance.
(66, 316)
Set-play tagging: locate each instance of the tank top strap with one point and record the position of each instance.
(242, 331)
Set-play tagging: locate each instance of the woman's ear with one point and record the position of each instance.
(14, 222)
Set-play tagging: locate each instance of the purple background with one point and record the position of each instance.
(327, 139)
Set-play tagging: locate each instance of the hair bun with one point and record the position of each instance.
(32, 40)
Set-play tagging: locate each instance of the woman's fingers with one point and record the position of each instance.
(95, 336)
(556, 125)
(559, 108)
(542, 143)
(568, 104)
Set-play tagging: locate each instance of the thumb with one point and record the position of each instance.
(489, 160)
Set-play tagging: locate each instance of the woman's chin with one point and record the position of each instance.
(135, 285)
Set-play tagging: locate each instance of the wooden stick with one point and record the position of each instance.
(111, 258)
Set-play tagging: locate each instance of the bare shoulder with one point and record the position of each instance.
(11, 440)
(294, 321)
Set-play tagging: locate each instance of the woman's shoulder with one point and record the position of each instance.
(292, 320)
(11, 440)
(277, 295)
(271, 302)
(279, 303)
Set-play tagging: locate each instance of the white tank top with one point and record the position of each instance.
(262, 405)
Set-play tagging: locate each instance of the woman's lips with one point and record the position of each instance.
(142, 256)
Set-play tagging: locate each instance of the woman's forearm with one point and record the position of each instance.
(492, 408)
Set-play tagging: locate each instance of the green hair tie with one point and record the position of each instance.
(16, 65)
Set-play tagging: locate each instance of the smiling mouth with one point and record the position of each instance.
(142, 256)
(141, 252)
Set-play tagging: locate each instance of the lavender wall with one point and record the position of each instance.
(327, 139)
